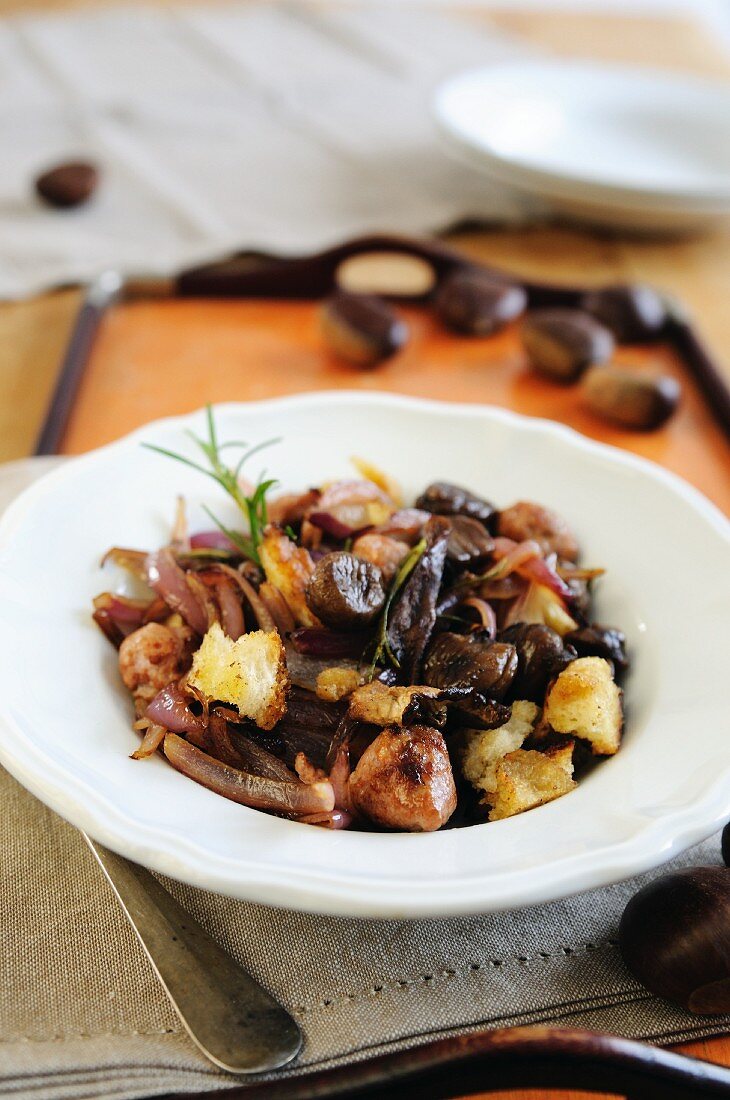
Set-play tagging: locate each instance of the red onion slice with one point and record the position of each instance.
(279, 796)
(212, 540)
(166, 577)
(171, 708)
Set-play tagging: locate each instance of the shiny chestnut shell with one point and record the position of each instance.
(441, 498)
(562, 343)
(67, 185)
(474, 303)
(468, 660)
(361, 328)
(674, 937)
(635, 399)
(633, 312)
(345, 592)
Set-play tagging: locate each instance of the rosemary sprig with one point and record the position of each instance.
(253, 506)
(380, 643)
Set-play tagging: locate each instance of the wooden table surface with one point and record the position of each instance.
(697, 269)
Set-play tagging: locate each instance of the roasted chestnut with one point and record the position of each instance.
(562, 343)
(469, 543)
(67, 185)
(630, 398)
(444, 499)
(541, 656)
(474, 303)
(361, 328)
(595, 640)
(468, 660)
(345, 592)
(674, 937)
(633, 312)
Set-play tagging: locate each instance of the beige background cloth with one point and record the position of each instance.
(82, 1015)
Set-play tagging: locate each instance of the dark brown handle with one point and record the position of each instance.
(537, 1057)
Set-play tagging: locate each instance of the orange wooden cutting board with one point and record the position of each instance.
(160, 357)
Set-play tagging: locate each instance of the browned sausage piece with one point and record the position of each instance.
(149, 659)
(404, 781)
(525, 520)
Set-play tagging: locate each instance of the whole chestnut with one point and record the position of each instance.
(474, 303)
(67, 185)
(345, 592)
(674, 937)
(469, 661)
(361, 328)
(441, 498)
(630, 398)
(562, 343)
(469, 542)
(541, 656)
(595, 640)
(633, 312)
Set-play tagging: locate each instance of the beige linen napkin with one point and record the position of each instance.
(82, 1015)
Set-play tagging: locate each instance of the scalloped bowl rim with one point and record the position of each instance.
(254, 876)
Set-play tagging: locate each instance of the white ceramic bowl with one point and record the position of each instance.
(66, 718)
(617, 145)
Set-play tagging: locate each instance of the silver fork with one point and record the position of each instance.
(227, 1014)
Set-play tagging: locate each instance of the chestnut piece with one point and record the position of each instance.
(630, 398)
(441, 498)
(361, 328)
(474, 303)
(469, 543)
(674, 937)
(726, 844)
(345, 592)
(68, 185)
(633, 312)
(595, 640)
(541, 656)
(562, 343)
(471, 661)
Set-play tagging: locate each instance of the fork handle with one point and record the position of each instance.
(230, 1017)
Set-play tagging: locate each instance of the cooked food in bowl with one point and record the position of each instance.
(350, 661)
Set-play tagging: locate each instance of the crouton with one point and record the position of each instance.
(249, 673)
(585, 702)
(289, 568)
(526, 779)
(381, 705)
(335, 683)
(484, 749)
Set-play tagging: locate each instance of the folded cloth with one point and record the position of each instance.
(82, 1014)
(280, 127)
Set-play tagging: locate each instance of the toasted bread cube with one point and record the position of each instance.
(249, 673)
(526, 779)
(381, 705)
(335, 683)
(485, 749)
(585, 702)
(289, 568)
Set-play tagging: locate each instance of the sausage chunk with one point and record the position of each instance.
(382, 550)
(531, 521)
(149, 659)
(404, 781)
